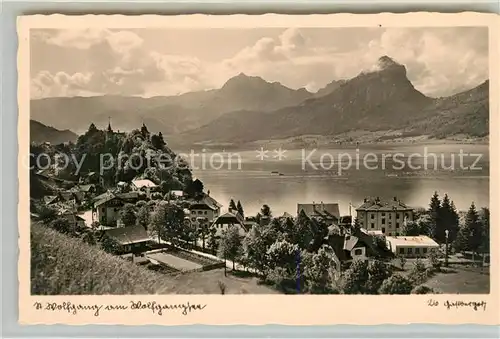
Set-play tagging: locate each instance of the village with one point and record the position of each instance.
(181, 228)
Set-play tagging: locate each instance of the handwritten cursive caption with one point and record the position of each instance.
(98, 309)
(457, 304)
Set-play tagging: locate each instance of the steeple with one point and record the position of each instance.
(109, 125)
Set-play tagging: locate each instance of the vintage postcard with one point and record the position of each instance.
(258, 169)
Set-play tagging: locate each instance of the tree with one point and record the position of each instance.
(396, 284)
(127, 215)
(436, 231)
(194, 188)
(355, 278)
(47, 213)
(473, 224)
(410, 228)
(484, 219)
(378, 271)
(449, 219)
(356, 226)
(167, 222)
(284, 255)
(62, 225)
(230, 244)
(157, 141)
(239, 207)
(265, 211)
(402, 262)
(212, 241)
(318, 271)
(143, 216)
(255, 249)
(302, 232)
(232, 205)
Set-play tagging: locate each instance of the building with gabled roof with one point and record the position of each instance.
(387, 216)
(206, 207)
(230, 219)
(129, 239)
(328, 212)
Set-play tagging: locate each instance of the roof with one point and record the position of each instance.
(376, 204)
(128, 196)
(320, 210)
(143, 183)
(287, 215)
(128, 235)
(230, 218)
(421, 240)
(72, 218)
(337, 244)
(350, 241)
(205, 202)
(104, 198)
(49, 199)
(86, 188)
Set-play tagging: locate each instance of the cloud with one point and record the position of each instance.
(118, 61)
(119, 64)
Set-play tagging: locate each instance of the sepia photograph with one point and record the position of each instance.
(283, 159)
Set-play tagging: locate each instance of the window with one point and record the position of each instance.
(424, 250)
(383, 214)
(383, 230)
(397, 216)
(115, 209)
(205, 212)
(417, 250)
(401, 250)
(373, 216)
(373, 225)
(410, 250)
(390, 233)
(406, 215)
(103, 210)
(358, 251)
(390, 216)
(397, 225)
(383, 221)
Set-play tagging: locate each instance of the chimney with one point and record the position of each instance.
(395, 199)
(365, 200)
(322, 206)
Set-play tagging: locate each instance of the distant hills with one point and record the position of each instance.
(41, 133)
(379, 100)
(169, 115)
(249, 108)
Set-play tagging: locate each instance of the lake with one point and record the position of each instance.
(411, 173)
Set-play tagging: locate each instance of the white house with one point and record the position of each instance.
(144, 185)
(411, 247)
(207, 207)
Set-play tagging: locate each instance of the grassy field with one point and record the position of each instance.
(64, 266)
(456, 279)
(461, 280)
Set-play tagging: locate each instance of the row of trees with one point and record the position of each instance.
(467, 233)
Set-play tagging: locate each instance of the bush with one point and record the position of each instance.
(422, 289)
(396, 284)
(418, 266)
(402, 262)
(433, 257)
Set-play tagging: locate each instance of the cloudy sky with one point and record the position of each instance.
(148, 62)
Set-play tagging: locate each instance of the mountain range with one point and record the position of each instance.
(41, 133)
(249, 108)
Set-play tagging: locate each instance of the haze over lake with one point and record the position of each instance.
(259, 182)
